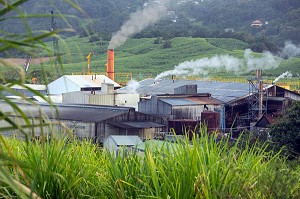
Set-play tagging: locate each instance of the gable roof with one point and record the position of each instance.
(264, 121)
(125, 140)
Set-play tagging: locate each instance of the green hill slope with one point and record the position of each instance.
(143, 58)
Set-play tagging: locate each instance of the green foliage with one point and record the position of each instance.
(228, 43)
(286, 131)
(167, 44)
(203, 168)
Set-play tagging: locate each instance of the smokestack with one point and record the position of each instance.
(110, 67)
(261, 83)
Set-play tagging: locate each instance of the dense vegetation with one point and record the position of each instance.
(208, 18)
(205, 169)
(286, 131)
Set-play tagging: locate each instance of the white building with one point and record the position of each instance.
(114, 143)
(71, 83)
(106, 96)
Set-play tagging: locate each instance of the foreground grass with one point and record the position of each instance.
(203, 169)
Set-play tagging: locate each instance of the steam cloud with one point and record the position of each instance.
(290, 50)
(132, 86)
(223, 62)
(283, 75)
(137, 22)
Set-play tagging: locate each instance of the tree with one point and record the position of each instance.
(167, 44)
(286, 132)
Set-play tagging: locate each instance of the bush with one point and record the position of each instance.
(167, 44)
(286, 132)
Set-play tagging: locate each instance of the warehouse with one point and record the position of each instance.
(186, 109)
(83, 121)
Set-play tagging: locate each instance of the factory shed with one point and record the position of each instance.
(275, 100)
(115, 143)
(70, 83)
(84, 121)
(184, 111)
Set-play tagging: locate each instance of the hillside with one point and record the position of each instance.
(205, 18)
(182, 31)
(143, 58)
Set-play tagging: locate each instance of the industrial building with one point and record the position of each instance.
(84, 121)
(186, 109)
(241, 105)
(71, 83)
(106, 96)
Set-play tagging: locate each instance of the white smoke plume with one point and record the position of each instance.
(223, 63)
(290, 50)
(138, 21)
(132, 87)
(283, 75)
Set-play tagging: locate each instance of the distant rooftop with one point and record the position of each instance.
(223, 91)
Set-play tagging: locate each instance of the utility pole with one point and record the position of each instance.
(55, 46)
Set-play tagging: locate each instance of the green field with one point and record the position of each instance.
(143, 58)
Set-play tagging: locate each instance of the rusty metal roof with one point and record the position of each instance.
(194, 100)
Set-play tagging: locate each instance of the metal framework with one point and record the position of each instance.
(256, 103)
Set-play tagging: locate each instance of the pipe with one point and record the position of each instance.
(260, 98)
(110, 68)
(258, 73)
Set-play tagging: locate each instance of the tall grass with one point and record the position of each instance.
(201, 168)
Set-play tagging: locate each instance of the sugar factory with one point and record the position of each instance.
(96, 107)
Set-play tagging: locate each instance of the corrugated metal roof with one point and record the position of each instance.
(37, 87)
(136, 124)
(126, 140)
(84, 113)
(224, 91)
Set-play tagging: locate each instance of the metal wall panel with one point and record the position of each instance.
(75, 98)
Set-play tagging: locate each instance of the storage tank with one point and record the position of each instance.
(211, 119)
